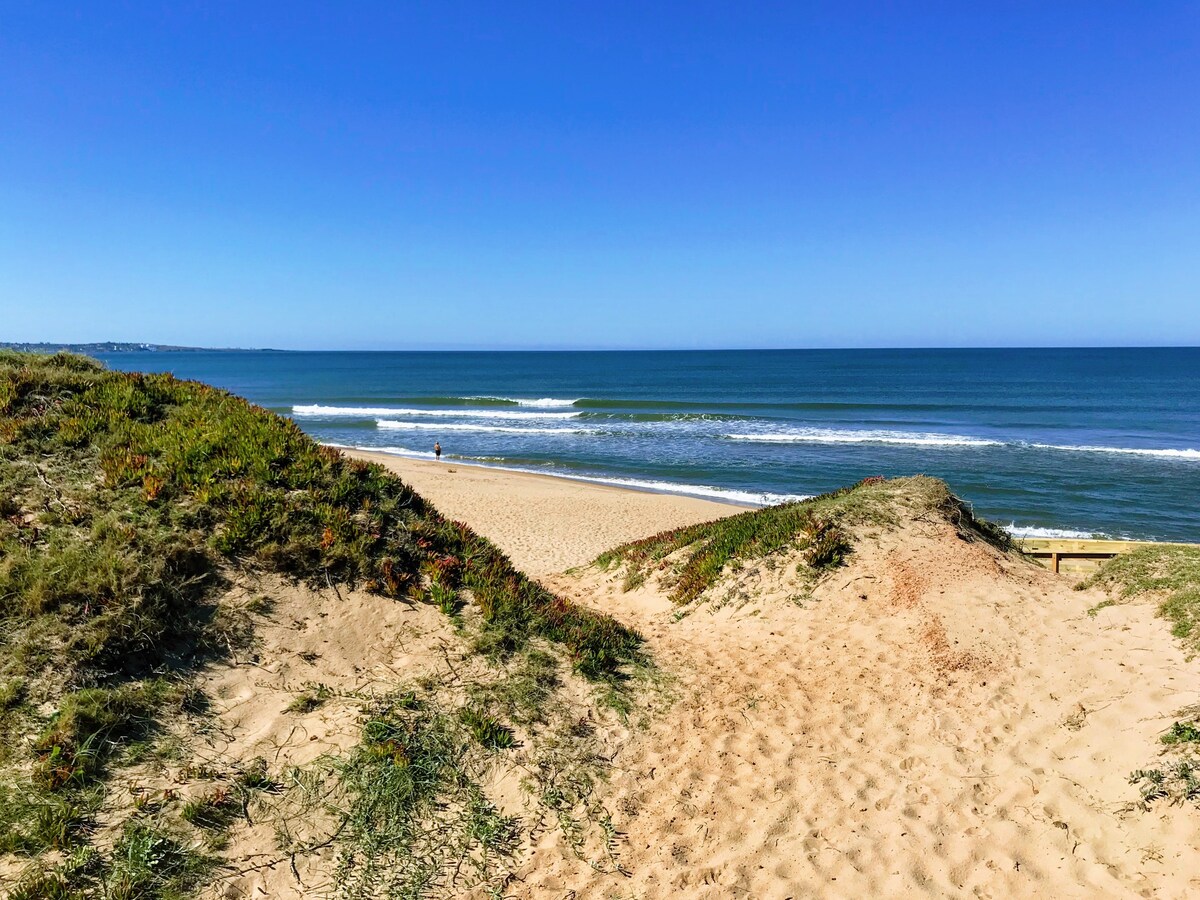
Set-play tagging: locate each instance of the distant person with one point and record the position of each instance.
(437, 450)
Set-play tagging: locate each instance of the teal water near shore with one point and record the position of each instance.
(1049, 442)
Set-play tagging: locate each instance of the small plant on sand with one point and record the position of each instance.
(313, 697)
(218, 808)
(1182, 733)
(827, 546)
(1176, 782)
(149, 863)
(214, 810)
(256, 777)
(446, 599)
(486, 730)
(1168, 572)
(1100, 607)
(32, 821)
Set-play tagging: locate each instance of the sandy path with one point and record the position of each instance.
(937, 721)
(938, 738)
(546, 524)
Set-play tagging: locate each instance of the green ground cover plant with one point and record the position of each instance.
(128, 503)
(314, 696)
(1182, 733)
(415, 804)
(1170, 572)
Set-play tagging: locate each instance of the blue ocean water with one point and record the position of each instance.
(1045, 441)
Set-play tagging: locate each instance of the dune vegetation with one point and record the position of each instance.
(129, 503)
(690, 560)
(1169, 574)
(161, 540)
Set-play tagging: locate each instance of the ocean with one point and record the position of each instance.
(1048, 442)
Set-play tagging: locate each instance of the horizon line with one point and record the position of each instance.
(150, 347)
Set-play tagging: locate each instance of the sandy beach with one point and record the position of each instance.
(868, 694)
(546, 524)
(939, 719)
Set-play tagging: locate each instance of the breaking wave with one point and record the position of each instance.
(462, 426)
(368, 412)
(836, 436)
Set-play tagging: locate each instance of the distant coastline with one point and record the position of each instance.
(119, 347)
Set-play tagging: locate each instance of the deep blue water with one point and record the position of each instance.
(1090, 441)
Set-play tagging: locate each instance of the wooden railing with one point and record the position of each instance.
(1072, 556)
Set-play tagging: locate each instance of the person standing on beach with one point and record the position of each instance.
(437, 449)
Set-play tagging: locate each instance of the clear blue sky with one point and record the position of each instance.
(392, 175)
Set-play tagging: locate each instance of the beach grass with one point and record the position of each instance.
(1169, 572)
(694, 557)
(129, 504)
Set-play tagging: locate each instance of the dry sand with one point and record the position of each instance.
(351, 642)
(935, 720)
(545, 524)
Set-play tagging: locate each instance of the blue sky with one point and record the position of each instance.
(441, 175)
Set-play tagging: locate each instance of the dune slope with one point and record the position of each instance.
(936, 717)
(236, 664)
(233, 660)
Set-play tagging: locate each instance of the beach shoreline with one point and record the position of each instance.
(546, 523)
(723, 496)
(948, 680)
(1118, 462)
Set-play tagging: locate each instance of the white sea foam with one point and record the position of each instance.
(1162, 453)
(838, 436)
(363, 412)
(930, 439)
(728, 495)
(391, 451)
(367, 412)
(749, 498)
(461, 426)
(543, 402)
(485, 414)
(1036, 531)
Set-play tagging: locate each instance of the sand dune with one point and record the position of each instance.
(935, 719)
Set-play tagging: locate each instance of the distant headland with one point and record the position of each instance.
(115, 347)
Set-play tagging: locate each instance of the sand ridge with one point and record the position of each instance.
(929, 734)
(936, 719)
